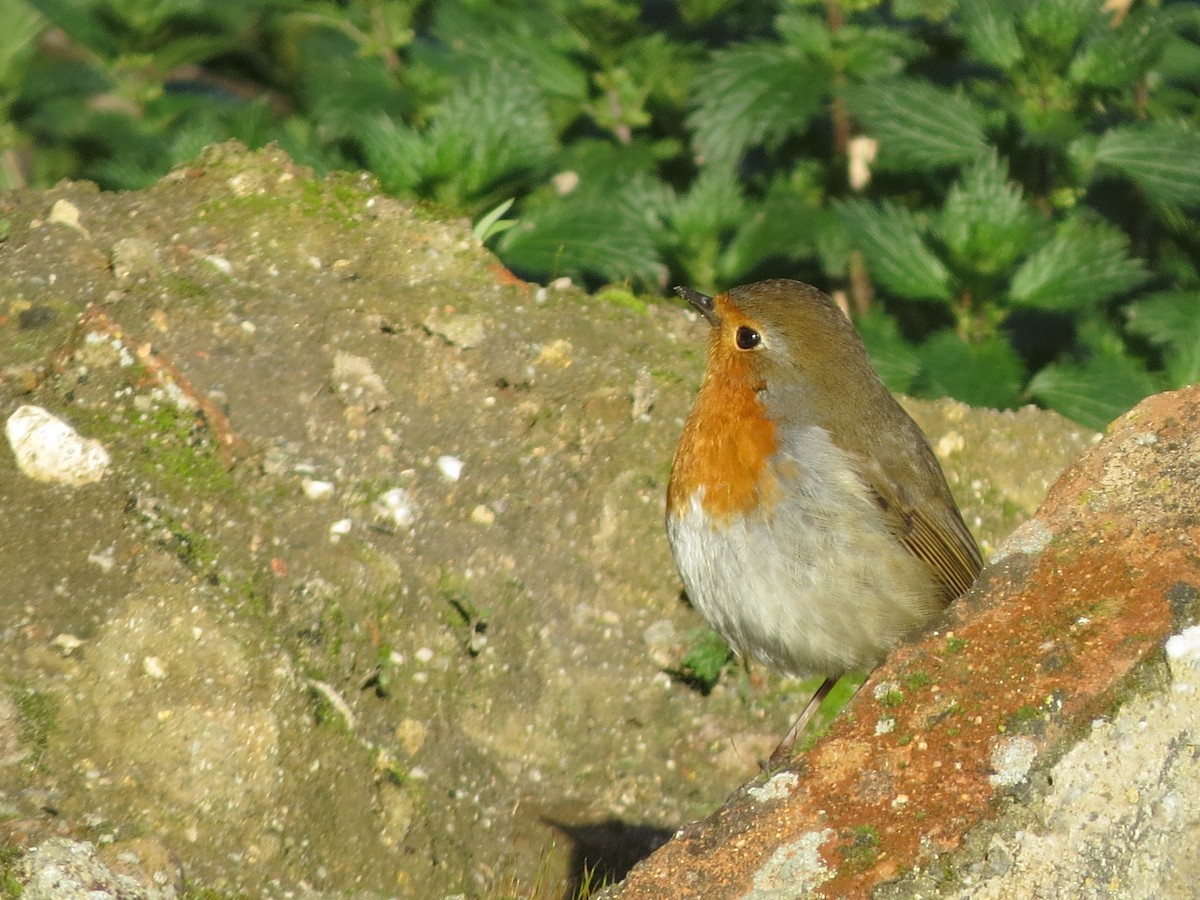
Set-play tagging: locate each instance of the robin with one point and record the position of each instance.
(808, 517)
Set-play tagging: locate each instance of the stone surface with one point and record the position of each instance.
(1036, 744)
(61, 869)
(277, 639)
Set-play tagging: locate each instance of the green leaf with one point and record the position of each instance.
(918, 126)
(603, 229)
(990, 29)
(1095, 393)
(394, 152)
(1055, 26)
(1115, 57)
(1180, 61)
(832, 242)
(1081, 267)
(476, 36)
(82, 24)
(987, 373)
(1165, 317)
(779, 228)
(22, 25)
(752, 95)
(603, 165)
(806, 32)
(492, 129)
(1163, 158)
(857, 52)
(704, 659)
(703, 218)
(894, 358)
(492, 222)
(578, 240)
(1171, 320)
(712, 206)
(985, 221)
(871, 53)
(648, 73)
(1183, 361)
(891, 240)
(655, 61)
(339, 89)
(932, 10)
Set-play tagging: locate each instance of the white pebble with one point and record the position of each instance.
(66, 644)
(316, 490)
(220, 263)
(48, 449)
(1185, 646)
(339, 528)
(450, 466)
(396, 506)
(153, 667)
(64, 212)
(1183, 657)
(105, 559)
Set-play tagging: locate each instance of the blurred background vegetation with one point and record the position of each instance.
(1002, 192)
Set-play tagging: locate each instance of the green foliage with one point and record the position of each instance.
(1095, 392)
(1171, 321)
(705, 659)
(893, 240)
(1162, 158)
(1081, 266)
(1005, 191)
(493, 222)
(895, 359)
(985, 223)
(605, 217)
(985, 372)
(918, 126)
(750, 95)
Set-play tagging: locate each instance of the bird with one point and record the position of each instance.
(807, 515)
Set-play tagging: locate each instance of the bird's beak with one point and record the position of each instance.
(702, 303)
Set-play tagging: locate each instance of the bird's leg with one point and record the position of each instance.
(783, 752)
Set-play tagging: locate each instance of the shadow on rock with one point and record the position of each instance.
(604, 852)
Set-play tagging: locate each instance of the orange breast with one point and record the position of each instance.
(726, 442)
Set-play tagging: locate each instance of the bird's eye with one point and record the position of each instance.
(747, 338)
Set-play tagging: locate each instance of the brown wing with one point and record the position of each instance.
(930, 525)
(946, 545)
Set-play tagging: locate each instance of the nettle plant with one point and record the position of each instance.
(1013, 182)
(1003, 191)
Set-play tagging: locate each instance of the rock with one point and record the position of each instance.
(62, 869)
(64, 212)
(355, 380)
(134, 258)
(465, 331)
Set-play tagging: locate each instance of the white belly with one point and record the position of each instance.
(816, 586)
